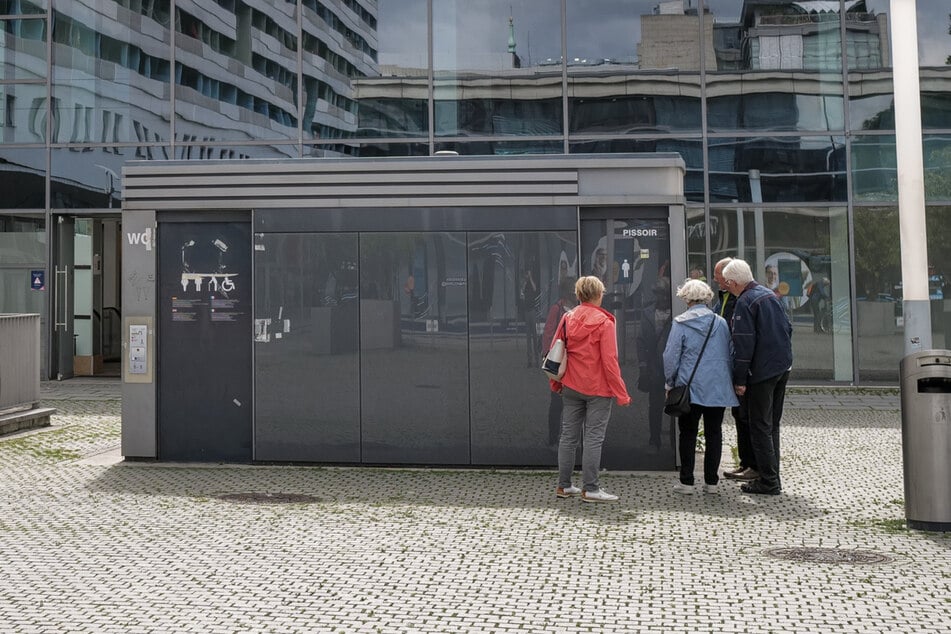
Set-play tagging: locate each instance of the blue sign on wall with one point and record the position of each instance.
(38, 280)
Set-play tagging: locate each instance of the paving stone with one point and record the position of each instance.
(135, 547)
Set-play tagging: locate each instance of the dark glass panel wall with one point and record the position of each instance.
(803, 255)
(518, 284)
(777, 169)
(774, 110)
(23, 178)
(363, 339)
(626, 105)
(89, 177)
(306, 333)
(414, 378)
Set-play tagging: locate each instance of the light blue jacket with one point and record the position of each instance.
(712, 385)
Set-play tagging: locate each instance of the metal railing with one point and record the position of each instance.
(19, 361)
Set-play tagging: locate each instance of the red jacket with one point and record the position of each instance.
(592, 354)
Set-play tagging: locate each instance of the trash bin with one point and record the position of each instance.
(926, 438)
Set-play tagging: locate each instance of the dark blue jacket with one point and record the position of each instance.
(762, 336)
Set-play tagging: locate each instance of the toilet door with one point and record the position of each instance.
(205, 332)
(629, 249)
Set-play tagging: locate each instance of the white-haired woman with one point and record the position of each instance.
(711, 390)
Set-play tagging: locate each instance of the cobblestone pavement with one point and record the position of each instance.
(94, 546)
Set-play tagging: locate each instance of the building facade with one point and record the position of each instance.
(781, 110)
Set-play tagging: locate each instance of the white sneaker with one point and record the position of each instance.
(597, 496)
(711, 488)
(686, 489)
(567, 492)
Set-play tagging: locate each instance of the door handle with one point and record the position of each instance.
(64, 288)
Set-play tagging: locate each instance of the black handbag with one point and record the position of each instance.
(677, 402)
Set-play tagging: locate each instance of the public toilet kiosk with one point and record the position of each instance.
(388, 311)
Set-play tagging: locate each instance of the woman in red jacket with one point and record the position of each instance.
(591, 380)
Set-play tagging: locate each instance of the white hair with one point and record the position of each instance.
(695, 291)
(738, 271)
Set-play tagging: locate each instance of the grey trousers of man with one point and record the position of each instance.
(588, 415)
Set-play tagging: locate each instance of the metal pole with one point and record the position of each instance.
(756, 195)
(911, 184)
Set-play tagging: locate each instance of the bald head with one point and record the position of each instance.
(718, 271)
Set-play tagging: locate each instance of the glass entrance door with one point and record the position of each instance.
(62, 345)
(86, 296)
(629, 249)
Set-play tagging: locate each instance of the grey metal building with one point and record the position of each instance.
(387, 311)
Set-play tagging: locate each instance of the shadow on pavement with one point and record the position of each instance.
(641, 494)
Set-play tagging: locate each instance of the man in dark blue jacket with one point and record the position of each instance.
(724, 306)
(762, 343)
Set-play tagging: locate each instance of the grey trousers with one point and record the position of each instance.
(588, 415)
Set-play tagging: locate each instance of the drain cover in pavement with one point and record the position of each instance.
(828, 555)
(268, 498)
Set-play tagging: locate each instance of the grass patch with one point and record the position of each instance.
(54, 453)
(893, 526)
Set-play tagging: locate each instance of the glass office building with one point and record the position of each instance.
(782, 111)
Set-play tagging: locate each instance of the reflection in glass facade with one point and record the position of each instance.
(307, 372)
(802, 253)
(781, 103)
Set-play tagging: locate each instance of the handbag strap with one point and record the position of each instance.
(713, 323)
(564, 328)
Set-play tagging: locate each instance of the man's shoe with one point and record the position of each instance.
(760, 488)
(734, 472)
(711, 488)
(597, 496)
(747, 475)
(567, 492)
(686, 489)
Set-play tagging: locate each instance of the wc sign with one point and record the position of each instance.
(144, 238)
(38, 280)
